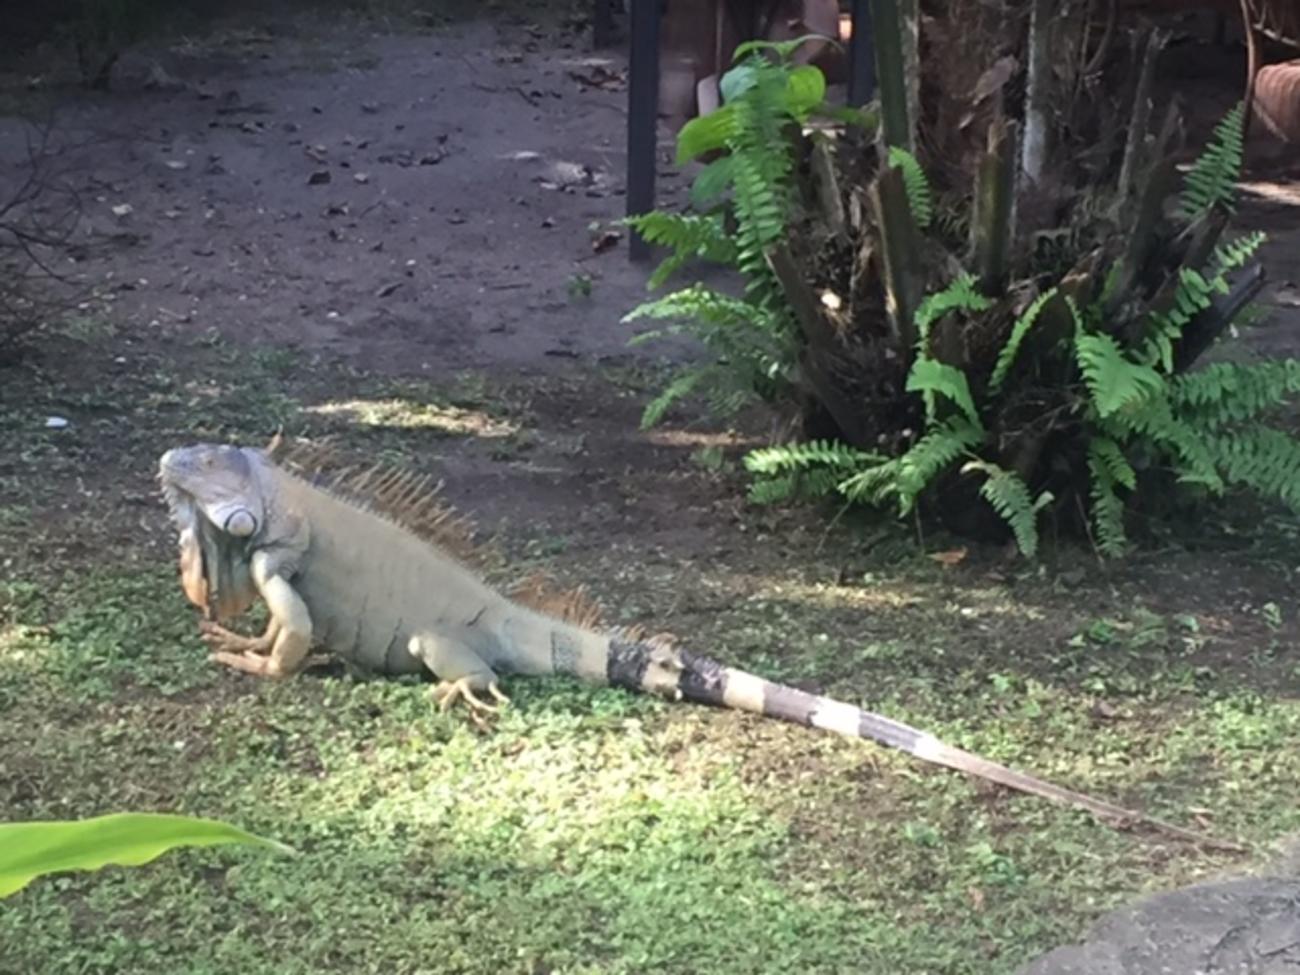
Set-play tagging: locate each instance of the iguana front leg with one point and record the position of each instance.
(221, 640)
(289, 629)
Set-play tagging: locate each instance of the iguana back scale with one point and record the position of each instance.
(362, 567)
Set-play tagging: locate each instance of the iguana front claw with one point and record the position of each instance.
(249, 663)
(446, 694)
(223, 641)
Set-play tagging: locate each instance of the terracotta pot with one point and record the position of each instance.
(1277, 99)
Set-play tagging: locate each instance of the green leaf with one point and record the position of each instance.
(30, 850)
(737, 81)
(933, 376)
(705, 133)
(783, 49)
(806, 89)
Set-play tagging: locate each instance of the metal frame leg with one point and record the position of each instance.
(602, 23)
(642, 116)
(862, 60)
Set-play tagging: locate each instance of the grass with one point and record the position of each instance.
(594, 831)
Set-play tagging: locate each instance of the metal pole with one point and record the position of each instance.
(642, 116)
(602, 24)
(862, 56)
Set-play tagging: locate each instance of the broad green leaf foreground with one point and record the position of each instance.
(31, 850)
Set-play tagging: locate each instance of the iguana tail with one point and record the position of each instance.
(657, 667)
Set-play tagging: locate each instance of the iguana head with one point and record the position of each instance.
(217, 480)
(215, 500)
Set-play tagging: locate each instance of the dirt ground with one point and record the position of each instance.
(421, 203)
(401, 231)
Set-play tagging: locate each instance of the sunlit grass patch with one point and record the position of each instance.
(413, 415)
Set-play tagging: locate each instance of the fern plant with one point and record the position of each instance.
(1127, 395)
(752, 341)
(959, 361)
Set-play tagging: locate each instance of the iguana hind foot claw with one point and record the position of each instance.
(446, 694)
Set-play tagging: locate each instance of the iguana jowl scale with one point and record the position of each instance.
(364, 568)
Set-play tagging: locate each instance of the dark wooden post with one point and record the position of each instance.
(642, 116)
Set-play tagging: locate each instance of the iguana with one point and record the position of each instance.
(371, 566)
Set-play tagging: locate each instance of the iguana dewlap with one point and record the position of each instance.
(350, 569)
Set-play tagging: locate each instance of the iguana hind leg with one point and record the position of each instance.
(460, 672)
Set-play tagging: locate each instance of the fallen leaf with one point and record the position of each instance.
(600, 77)
(950, 558)
(605, 241)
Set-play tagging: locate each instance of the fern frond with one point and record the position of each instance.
(1226, 392)
(810, 484)
(932, 377)
(1184, 444)
(1264, 460)
(807, 455)
(962, 294)
(1107, 509)
(1235, 253)
(762, 181)
(811, 469)
(683, 385)
(774, 490)
(688, 235)
(699, 303)
(919, 197)
(1213, 177)
(1018, 332)
(907, 476)
(1110, 456)
(1009, 496)
(1193, 294)
(1115, 382)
